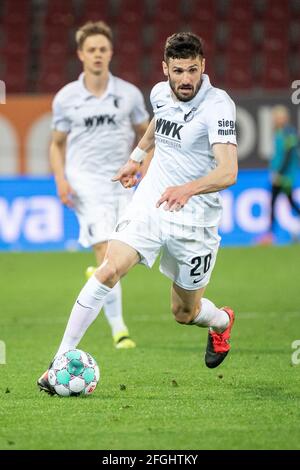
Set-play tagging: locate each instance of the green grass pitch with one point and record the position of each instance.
(160, 395)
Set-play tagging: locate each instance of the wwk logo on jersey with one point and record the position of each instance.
(100, 120)
(226, 127)
(168, 128)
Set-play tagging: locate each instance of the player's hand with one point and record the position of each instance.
(175, 197)
(65, 192)
(127, 175)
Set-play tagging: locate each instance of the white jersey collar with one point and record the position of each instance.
(86, 94)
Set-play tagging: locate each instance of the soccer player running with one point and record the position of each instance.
(176, 208)
(95, 120)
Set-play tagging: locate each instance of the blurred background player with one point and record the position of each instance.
(284, 164)
(95, 121)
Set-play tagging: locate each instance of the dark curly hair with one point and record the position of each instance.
(183, 46)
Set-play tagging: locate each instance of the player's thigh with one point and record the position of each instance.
(189, 259)
(141, 235)
(100, 250)
(119, 259)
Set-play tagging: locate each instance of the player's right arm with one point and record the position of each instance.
(127, 174)
(147, 141)
(57, 162)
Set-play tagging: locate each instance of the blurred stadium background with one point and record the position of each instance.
(252, 49)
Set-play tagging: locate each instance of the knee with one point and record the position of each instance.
(108, 273)
(183, 314)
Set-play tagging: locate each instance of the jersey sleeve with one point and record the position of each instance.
(60, 122)
(221, 121)
(155, 95)
(139, 112)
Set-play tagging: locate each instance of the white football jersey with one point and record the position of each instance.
(100, 134)
(184, 135)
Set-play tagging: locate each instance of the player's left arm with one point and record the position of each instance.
(221, 177)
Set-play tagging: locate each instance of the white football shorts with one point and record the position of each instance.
(188, 253)
(98, 221)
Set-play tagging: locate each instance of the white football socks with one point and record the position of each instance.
(84, 312)
(113, 309)
(211, 316)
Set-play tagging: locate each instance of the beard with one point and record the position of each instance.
(194, 90)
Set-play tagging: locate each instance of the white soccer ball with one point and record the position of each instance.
(74, 373)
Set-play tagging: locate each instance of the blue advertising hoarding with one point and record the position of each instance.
(32, 218)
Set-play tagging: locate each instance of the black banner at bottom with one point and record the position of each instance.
(139, 458)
